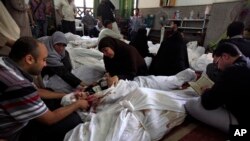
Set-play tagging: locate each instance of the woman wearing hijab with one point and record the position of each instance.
(121, 60)
(140, 42)
(172, 56)
(58, 61)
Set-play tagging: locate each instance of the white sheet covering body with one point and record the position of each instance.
(143, 115)
(87, 73)
(128, 112)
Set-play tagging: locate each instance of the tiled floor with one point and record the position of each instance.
(180, 131)
(191, 130)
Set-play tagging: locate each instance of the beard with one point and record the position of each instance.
(35, 71)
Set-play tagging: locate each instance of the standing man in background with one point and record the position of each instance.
(136, 22)
(9, 31)
(38, 9)
(105, 12)
(223, 105)
(66, 10)
(20, 101)
(89, 22)
(19, 9)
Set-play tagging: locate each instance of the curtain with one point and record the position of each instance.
(126, 8)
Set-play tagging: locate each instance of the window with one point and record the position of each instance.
(83, 5)
(89, 3)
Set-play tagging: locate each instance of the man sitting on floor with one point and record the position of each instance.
(20, 102)
(224, 104)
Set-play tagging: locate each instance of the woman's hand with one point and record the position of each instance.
(112, 80)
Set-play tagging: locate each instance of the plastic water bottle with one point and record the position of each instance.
(191, 14)
(177, 14)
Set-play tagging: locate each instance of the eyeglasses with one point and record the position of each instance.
(217, 60)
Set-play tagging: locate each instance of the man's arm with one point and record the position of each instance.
(216, 96)
(59, 13)
(46, 94)
(58, 6)
(51, 117)
(30, 14)
(9, 42)
(74, 10)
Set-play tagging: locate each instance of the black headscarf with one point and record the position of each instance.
(140, 42)
(107, 42)
(126, 63)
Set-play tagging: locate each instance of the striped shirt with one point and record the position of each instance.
(19, 101)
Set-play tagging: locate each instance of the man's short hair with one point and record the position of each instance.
(235, 28)
(228, 48)
(22, 47)
(107, 22)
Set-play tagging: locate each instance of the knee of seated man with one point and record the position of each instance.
(192, 104)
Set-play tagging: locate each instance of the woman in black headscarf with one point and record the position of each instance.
(172, 56)
(121, 60)
(140, 42)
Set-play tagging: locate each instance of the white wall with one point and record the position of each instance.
(148, 3)
(216, 1)
(199, 2)
(193, 2)
(156, 3)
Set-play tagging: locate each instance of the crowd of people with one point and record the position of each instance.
(30, 111)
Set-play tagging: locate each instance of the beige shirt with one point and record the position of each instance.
(8, 27)
(18, 9)
(66, 8)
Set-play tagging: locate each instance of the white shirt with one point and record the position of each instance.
(108, 32)
(66, 8)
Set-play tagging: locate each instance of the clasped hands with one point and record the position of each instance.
(111, 80)
(85, 99)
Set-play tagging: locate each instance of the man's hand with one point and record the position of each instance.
(204, 88)
(79, 95)
(83, 104)
(81, 87)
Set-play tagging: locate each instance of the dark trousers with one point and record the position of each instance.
(68, 26)
(36, 131)
(132, 35)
